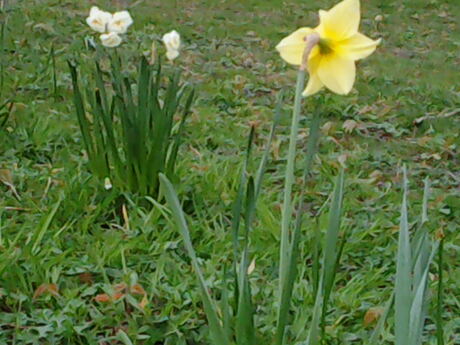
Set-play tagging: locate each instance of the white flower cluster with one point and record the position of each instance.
(109, 25)
(112, 25)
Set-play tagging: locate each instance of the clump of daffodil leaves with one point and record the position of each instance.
(331, 62)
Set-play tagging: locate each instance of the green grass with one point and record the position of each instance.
(59, 226)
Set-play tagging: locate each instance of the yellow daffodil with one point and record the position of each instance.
(331, 62)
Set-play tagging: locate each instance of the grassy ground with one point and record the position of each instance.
(59, 226)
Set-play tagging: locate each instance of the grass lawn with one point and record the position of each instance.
(58, 225)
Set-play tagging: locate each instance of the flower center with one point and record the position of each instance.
(325, 46)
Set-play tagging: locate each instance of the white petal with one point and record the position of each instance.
(110, 40)
(171, 54)
(98, 20)
(172, 40)
(120, 22)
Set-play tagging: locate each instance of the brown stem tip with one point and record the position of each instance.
(311, 41)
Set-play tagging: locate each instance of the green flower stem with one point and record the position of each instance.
(293, 251)
(289, 180)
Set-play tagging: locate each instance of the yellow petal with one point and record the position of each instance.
(341, 21)
(357, 47)
(314, 83)
(291, 47)
(337, 73)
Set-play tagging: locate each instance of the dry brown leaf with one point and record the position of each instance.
(118, 295)
(86, 278)
(144, 302)
(102, 298)
(349, 126)
(252, 266)
(137, 289)
(372, 315)
(51, 289)
(120, 287)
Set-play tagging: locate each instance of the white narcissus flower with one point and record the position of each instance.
(110, 40)
(172, 43)
(98, 20)
(120, 22)
(172, 54)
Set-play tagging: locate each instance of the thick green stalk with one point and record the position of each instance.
(289, 180)
(286, 291)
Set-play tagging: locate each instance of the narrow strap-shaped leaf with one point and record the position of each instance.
(403, 284)
(109, 130)
(180, 132)
(332, 237)
(314, 332)
(439, 302)
(374, 338)
(80, 110)
(237, 210)
(217, 332)
(225, 305)
(245, 332)
(268, 145)
(418, 308)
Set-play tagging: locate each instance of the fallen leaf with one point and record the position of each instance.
(252, 266)
(102, 298)
(349, 126)
(372, 315)
(137, 289)
(86, 277)
(118, 295)
(120, 287)
(51, 289)
(144, 302)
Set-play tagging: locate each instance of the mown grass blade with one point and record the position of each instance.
(54, 72)
(38, 236)
(217, 332)
(123, 337)
(403, 284)
(2, 50)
